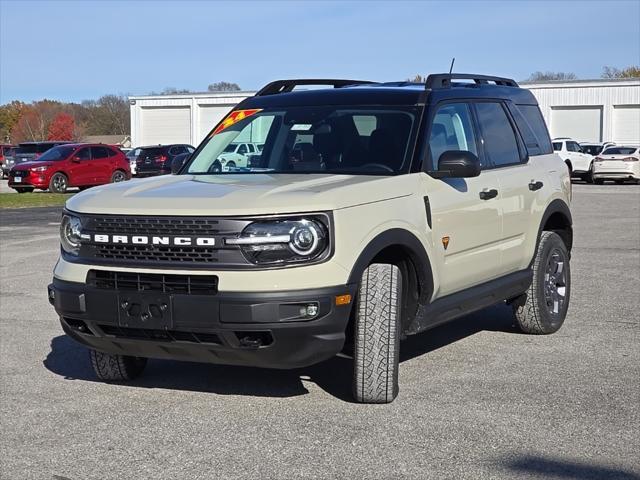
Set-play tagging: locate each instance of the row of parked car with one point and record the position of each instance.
(597, 162)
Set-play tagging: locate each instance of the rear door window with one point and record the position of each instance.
(500, 142)
(99, 152)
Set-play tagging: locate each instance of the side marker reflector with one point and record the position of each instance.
(343, 299)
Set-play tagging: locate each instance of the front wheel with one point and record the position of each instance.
(547, 299)
(588, 177)
(377, 335)
(118, 176)
(58, 183)
(116, 368)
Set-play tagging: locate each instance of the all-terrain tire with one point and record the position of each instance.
(545, 307)
(377, 334)
(116, 368)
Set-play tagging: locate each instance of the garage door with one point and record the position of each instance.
(626, 124)
(164, 125)
(210, 115)
(583, 124)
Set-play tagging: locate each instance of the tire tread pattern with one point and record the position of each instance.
(116, 368)
(377, 335)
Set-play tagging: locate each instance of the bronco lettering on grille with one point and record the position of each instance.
(154, 240)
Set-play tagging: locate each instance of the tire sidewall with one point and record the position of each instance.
(52, 186)
(549, 243)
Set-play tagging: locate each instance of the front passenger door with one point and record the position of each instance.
(466, 228)
(80, 171)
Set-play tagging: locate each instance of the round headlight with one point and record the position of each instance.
(70, 230)
(304, 239)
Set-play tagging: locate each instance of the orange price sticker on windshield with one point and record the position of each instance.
(233, 118)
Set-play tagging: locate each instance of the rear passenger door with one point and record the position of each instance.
(467, 230)
(507, 159)
(101, 164)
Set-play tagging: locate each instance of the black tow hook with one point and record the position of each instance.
(250, 342)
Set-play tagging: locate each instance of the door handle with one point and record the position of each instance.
(533, 186)
(488, 194)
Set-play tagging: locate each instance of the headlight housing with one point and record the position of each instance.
(40, 169)
(295, 240)
(70, 234)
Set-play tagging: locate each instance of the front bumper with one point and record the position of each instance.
(251, 329)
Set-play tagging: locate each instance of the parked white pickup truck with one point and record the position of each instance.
(236, 155)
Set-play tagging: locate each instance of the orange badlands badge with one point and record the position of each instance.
(235, 117)
(445, 242)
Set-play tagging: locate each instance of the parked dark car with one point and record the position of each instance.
(71, 165)
(157, 159)
(5, 151)
(27, 152)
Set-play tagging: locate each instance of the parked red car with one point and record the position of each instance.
(71, 165)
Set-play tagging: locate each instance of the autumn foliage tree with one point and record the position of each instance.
(62, 127)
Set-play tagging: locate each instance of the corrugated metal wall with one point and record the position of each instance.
(605, 94)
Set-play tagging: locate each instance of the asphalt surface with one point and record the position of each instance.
(477, 399)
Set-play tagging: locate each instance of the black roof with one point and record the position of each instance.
(352, 92)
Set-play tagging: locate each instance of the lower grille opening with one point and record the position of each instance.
(78, 325)
(154, 282)
(160, 335)
(254, 339)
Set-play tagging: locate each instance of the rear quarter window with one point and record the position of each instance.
(529, 119)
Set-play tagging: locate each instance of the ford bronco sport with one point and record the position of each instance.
(380, 210)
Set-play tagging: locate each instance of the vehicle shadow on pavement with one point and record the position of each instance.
(71, 361)
(563, 469)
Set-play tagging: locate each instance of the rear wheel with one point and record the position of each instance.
(588, 177)
(58, 183)
(547, 299)
(116, 368)
(377, 335)
(118, 176)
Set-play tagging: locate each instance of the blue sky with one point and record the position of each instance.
(74, 50)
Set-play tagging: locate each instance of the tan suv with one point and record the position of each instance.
(379, 210)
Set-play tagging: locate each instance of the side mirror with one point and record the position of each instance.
(75, 159)
(457, 164)
(178, 162)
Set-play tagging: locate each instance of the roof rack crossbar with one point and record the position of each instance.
(444, 80)
(284, 86)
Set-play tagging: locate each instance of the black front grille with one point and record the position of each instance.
(154, 282)
(155, 226)
(151, 241)
(154, 253)
(160, 335)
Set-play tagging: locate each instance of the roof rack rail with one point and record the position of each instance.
(284, 86)
(444, 80)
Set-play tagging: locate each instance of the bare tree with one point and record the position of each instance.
(629, 72)
(223, 87)
(544, 76)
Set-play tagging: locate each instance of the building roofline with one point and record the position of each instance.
(241, 93)
(610, 82)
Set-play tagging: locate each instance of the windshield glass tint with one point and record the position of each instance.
(56, 153)
(619, 151)
(317, 139)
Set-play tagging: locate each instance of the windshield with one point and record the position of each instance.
(620, 151)
(316, 139)
(591, 149)
(56, 153)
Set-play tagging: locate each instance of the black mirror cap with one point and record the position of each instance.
(457, 164)
(178, 162)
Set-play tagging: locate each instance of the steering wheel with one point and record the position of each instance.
(378, 165)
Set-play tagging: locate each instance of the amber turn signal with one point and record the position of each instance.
(343, 299)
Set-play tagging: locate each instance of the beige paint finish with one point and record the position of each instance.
(480, 246)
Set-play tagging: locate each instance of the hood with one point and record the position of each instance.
(33, 164)
(241, 194)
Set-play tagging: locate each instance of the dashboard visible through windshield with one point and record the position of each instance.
(318, 139)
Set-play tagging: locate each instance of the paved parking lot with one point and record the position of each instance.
(477, 400)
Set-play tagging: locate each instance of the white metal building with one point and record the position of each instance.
(591, 110)
(585, 110)
(163, 119)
